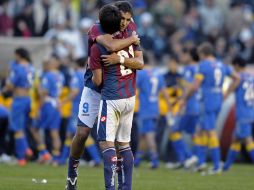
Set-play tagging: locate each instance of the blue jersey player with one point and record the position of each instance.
(52, 81)
(90, 99)
(210, 78)
(244, 98)
(149, 83)
(117, 99)
(20, 82)
(187, 120)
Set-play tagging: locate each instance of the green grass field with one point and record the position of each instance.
(241, 177)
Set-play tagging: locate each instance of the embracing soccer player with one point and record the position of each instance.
(118, 86)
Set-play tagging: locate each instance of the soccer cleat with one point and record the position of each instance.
(71, 183)
(29, 153)
(190, 162)
(200, 168)
(45, 158)
(22, 162)
(214, 172)
(174, 166)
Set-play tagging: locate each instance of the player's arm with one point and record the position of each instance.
(137, 62)
(234, 84)
(194, 86)
(97, 77)
(166, 97)
(113, 45)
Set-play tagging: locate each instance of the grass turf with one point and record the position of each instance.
(17, 178)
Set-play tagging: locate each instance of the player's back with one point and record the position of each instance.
(119, 82)
(149, 84)
(245, 98)
(52, 82)
(213, 73)
(22, 76)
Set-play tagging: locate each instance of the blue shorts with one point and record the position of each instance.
(188, 123)
(3, 112)
(243, 130)
(50, 117)
(208, 120)
(19, 114)
(147, 125)
(72, 124)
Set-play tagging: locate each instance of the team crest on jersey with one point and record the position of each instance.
(103, 118)
(114, 159)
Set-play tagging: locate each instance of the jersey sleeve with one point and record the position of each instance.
(201, 71)
(13, 78)
(94, 32)
(228, 70)
(74, 82)
(95, 58)
(45, 83)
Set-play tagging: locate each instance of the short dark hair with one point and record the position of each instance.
(193, 53)
(124, 6)
(206, 48)
(81, 62)
(239, 61)
(23, 53)
(110, 19)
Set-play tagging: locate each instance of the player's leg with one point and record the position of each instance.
(93, 151)
(249, 141)
(17, 124)
(108, 120)
(88, 111)
(123, 138)
(234, 150)
(151, 143)
(141, 150)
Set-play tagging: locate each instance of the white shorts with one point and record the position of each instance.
(88, 107)
(115, 120)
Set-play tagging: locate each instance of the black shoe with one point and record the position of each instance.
(71, 183)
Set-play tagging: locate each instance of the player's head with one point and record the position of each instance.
(126, 11)
(110, 19)
(21, 54)
(53, 62)
(205, 50)
(239, 63)
(81, 62)
(173, 63)
(190, 55)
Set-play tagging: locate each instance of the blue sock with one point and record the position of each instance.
(72, 167)
(195, 150)
(64, 155)
(42, 152)
(251, 153)
(94, 153)
(202, 155)
(185, 149)
(215, 155)
(110, 167)
(154, 159)
(177, 146)
(26, 146)
(125, 169)
(138, 158)
(231, 156)
(20, 147)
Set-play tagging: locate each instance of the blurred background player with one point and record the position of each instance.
(20, 82)
(210, 78)
(244, 97)
(51, 84)
(76, 87)
(150, 82)
(187, 118)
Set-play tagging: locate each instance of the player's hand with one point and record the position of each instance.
(110, 59)
(135, 38)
